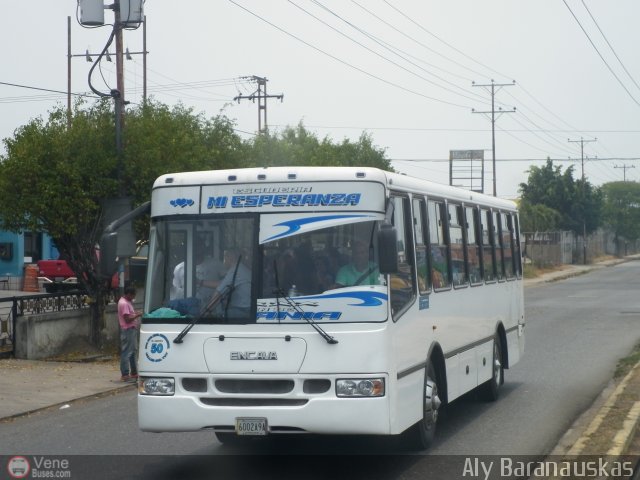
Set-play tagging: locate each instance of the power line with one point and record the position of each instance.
(610, 46)
(600, 55)
(369, 74)
(448, 45)
(441, 129)
(417, 42)
(526, 118)
(535, 132)
(391, 26)
(46, 89)
(384, 45)
(504, 160)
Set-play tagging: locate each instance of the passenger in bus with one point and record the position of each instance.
(304, 279)
(439, 270)
(232, 297)
(287, 269)
(269, 264)
(322, 274)
(360, 270)
(209, 273)
(177, 284)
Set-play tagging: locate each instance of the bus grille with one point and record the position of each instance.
(253, 402)
(254, 386)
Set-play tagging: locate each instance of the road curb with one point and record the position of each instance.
(624, 435)
(574, 271)
(102, 394)
(623, 438)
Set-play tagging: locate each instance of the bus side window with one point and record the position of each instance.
(420, 232)
(488, 244)
(506, 237)
(495, 227)
(473, 247)
(458, 265)
(438, 245)
(518, 251)
(402, 283)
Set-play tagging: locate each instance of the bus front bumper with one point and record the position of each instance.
(295, 412)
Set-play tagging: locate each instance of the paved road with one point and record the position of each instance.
(577, 329)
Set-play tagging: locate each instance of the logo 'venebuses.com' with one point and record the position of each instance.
(18, 467)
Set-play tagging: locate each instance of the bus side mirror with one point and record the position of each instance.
(108, 254)
(388, 249)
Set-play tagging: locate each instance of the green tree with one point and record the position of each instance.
(298, 146)
(538, 218)
(54, 177)
(578, 203)
(622, 209)
(161, 139)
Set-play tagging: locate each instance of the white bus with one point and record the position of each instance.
(353, 301)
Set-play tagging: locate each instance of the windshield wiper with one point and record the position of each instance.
(279, 293)
(217, 298)
(215, 301)
(310, 321)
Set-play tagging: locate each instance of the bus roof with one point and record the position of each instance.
(392, 181)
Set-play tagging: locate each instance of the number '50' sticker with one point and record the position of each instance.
(157, 347)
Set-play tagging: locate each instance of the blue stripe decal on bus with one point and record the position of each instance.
(294, 225)
(368, 299)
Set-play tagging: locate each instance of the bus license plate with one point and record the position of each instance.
(251, 426)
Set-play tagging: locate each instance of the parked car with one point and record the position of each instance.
(57, 276)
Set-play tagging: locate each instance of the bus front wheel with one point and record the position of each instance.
(421, 435)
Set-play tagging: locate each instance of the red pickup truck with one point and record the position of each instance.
(57, 275)
(54, 270)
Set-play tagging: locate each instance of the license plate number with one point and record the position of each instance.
(251, 426)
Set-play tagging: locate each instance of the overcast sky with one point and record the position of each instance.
(401, 70)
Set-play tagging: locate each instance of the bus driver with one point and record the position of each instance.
(232, 297)
(359, 271)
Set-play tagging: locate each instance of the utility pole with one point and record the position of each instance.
(491, 88)
(144, 60)
(88, 56)
(261, 95)
(582, 141)
(624, 170)
(68, 72)
(118, 93)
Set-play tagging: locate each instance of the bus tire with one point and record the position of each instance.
(491, 388)
(421, 435)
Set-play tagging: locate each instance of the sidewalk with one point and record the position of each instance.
(31, 385)
(609, 427)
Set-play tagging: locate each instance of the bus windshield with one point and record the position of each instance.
(253, 268)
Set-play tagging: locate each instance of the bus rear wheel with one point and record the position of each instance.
(421, 435)
(491, 388)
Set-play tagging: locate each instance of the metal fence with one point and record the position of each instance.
(544, 249)
(11, 308)
(547, 248)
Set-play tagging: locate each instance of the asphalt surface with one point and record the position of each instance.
(30, 386)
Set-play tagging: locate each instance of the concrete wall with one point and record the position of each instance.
(50, 334)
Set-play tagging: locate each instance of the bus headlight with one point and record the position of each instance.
(156, 386)
(360, 387)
